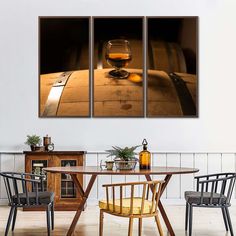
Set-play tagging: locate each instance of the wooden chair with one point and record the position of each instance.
(132, 206)
(213, 191)
(19, 188)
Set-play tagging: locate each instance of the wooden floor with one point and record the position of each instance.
(207, 222)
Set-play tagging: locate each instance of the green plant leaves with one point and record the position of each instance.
(125, 154)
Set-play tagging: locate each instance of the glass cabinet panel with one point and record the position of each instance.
(37, 169)
(68, 189)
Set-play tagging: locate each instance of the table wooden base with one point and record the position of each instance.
(85, 194)
(160, 206)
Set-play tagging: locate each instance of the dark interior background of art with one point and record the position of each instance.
(64, 44)
(182, 31)
(129, 28)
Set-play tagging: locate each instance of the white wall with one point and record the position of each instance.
(207, 163)
(214, 130)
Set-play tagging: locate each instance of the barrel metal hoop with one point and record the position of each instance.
(185, 97)
(54, 97)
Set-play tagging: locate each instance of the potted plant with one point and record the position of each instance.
(124, 158)
(33, 141)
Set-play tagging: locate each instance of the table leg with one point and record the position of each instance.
(84, 195)
(160, 206)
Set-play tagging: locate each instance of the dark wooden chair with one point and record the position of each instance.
(23, 191)
(213, 191)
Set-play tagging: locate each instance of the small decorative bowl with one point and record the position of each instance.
(125, 165)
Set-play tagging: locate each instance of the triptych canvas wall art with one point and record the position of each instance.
(118, 67)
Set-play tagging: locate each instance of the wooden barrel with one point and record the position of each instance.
(117, 98)
(171, 95)
(166, 56)
(65, 94)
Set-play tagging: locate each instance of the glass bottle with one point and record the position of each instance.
(145, 157)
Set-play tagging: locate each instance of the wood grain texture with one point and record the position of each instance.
(32, 224)
(55, 153)
(162, 98)
(114, 97)
(54, 181)
(117, 98)
(74, 100)
(97, 170)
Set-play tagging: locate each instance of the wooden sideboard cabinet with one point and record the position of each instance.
(66, 194)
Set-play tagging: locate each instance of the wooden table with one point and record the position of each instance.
(94, 171)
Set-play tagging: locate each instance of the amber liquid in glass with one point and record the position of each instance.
(118, 60)
(145, 160)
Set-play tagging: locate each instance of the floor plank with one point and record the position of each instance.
(207, 222)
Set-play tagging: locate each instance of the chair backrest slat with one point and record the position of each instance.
(17, 188)
(154, 186)
(216, 184)
(113, 198)
(207, 178)
(202, 190)
(121, 199)
(197, 185)
(221, 184)
(37, 192)
(23, 183)
(26, 194)
(143, 197)
(212, 192)
(107, 197)
(153, 198)
(7, 190)
(132, 199)
(230, 190)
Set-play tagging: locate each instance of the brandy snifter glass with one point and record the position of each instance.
(118, 55)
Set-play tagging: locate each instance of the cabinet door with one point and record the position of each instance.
(66, 193)
(35, 165)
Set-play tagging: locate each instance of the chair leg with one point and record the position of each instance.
(48, 219)
(101, 223)
(52, 215)
(14, 219)
(9, 220)
(225, 218)
(229, 221)
(131, 220)
(140, 223)
(159, 225)
(190, 219)
(186, 216)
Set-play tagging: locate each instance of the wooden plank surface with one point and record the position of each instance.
(117, 98)
(162, 98)
(114, 97)
(74, 100)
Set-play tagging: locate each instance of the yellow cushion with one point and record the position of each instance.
(126, 206)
